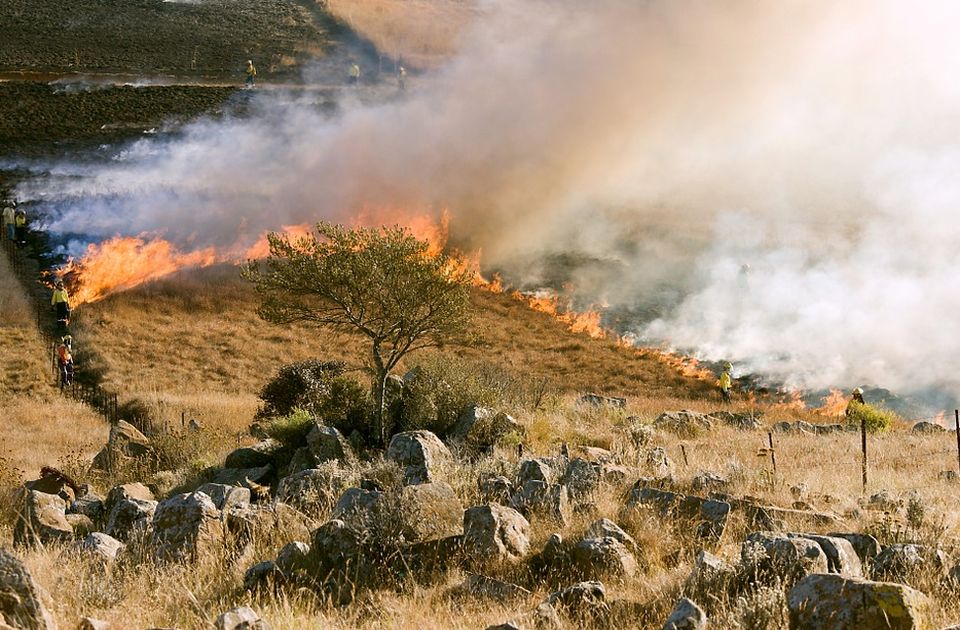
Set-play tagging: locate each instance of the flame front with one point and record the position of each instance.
(833, 404)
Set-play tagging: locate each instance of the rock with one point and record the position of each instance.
(314, 490)
(580, 601)
(293, 560)
(535, 470)
(684, 423)
(242, 618)
(127, 491)
(841, 556)
(53, 481)
(706, 481)
(90, 505)
(555, 559)
(549, 500)
(597, 455)
(260, 454)
(708, 515)
(483, 587)
(242, 477)
(21, 605)
(606, 528)
(261, 520)
(42, 520)
(263, 577)
(430, 560)
(658, 463)
(766, 555)
(128, 516)
(864, 545)
(711, 575)
(902, 562)
(497, 489)
(686, 616)
(947, 475)
(744, 421)
(301, 460)
(418, 453)
(615, 474)
(604, 557)
(337, 561)
(328, 444)
(595, 400)
(580, 477)
(100, 547)
(928, 428)
(885, 501)
(481, 427)
(81, 524)
(186, 525)
(493, 533)
(833, 602)
(360, 509)
(430, 511)
(124, 441)
(225, 497)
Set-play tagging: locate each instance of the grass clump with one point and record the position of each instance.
(291, 429)
(878, 420)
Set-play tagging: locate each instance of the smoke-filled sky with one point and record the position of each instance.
(646, 151)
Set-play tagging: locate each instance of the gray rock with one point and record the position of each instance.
(483, 587)
(535, 470)
(833, 602)
(947, 475)
(482, 427)
(264, 577)
(658, 464)
(493, 533)
(596, 558)
(242, 476)
(684, 423)
(686, 616)
(710, 576)
(606, 528)
(580, 601)
(555, 559)
(225, 497)
(767, 555)
(90, 505)
(242, 618)
(864, 545)
(903, 562)
(100, 547)
(256, 456)
(549, 500)
(430, 511)
(596, 400)
(418, 453)
(337, 561)
(929, 428)
(497, 489)
(128, 516)
(125, 441)
(293, 559)
(360, 509)
(42, 519)
(186, 525)
(21, 604)
(743, 421)
(581, 477)
(842, 558)
(328, 444)
(709, 516)
(81, 524)
(314, 490)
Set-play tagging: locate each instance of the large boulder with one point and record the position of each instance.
(242, 618)
(834, 602)
(328, 444)
(293, 560)
(864, 545)
(903, 562)
(548, 500)
(260, 454)
(99, 546)
(21, 605)
(338, 561)
(225, 497)
(596, 558)
(185, 525)
(710, 575)
(767, 556)
(361, 509)
(128, 507)
(89, 504)
(493, 533)
(686, 616)
(708, 516)
(313, 490)
(42, 520)
(418, 453)
(125, 441)
(430, 511)
(683, 423)
(538, 469)
(606, 528)
(842, 558)
(481, 427)
(581, 477)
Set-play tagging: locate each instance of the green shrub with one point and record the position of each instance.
(438, 390)
(291, 429)
(348, 406)
(305, 385)
(878, 420)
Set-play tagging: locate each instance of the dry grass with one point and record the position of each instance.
(423, 33)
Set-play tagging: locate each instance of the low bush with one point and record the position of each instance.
(291, 429)
(878, 420)
(305, 385)
(438, 389)
(347, 406)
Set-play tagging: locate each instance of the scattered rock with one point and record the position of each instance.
(833, 602)
(496, 489)
(242, 618)
(929, 428)
(328, 444)
(553, 560)
(686, 423)
(548, 500)
(418, 453)
(293, 560)
(260, 454)
(337, 561)
(842, 558)
(708, 515)
(538, 469)
(481, 427)
(767, 556)
(744, 421)
(359, 509)
(483, 587)
(686, 616)
(658, 464)
(20, 598)
(902, 562)
(242, 476)
(606, 528)
(42, 520)
(580, 601)
(313, 490)
(89, 505)
(706, 481)
(493, 533)
(99, 546)
(225, 497)
(81, 524)
(185, 525)
(597, 400)
(430, 511)
(710, 575)
(581, 477)
(124, 441)
(864, 545)
(604, 557)
(263, 577)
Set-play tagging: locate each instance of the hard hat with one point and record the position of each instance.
(728, 366)
(250, 61)
(858, 390)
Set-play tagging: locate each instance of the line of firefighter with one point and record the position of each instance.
(725, 384)
(15, 223)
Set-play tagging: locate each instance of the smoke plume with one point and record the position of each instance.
(773, 183)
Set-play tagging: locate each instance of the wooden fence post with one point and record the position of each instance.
(863, 448)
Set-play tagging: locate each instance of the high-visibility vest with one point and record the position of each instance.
(8, 215)
(354, 70)
(725, 381)
(21, 220)
(59, 295)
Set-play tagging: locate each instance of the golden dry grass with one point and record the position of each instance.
(39, 426)
(423, 33)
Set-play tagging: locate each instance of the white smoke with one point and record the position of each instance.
(652, 148)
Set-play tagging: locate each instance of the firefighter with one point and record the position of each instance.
(402, 78)
(9, 220)
(856, 396)
(65, 361)
(61, 303)
(20, 227)
(725, 382)
(251, 72)
(354, 74)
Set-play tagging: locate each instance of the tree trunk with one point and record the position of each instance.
(380, 396)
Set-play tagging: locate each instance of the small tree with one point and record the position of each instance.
(381, 283)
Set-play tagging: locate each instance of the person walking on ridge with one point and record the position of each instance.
(402, 78)
(65, 361)
(20, 227)
(61, 303)
(251, 72)
(9, 220)
(725, 382)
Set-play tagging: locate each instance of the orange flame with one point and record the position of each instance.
(687, 366)
(792, 401)
(833, 404)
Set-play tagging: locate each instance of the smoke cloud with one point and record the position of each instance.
(645, 152)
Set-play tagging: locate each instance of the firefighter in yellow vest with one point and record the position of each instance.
(725, 382)
(61, 303)
(251, 73)
(20, 227)
(9, 219)
(354, 74)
